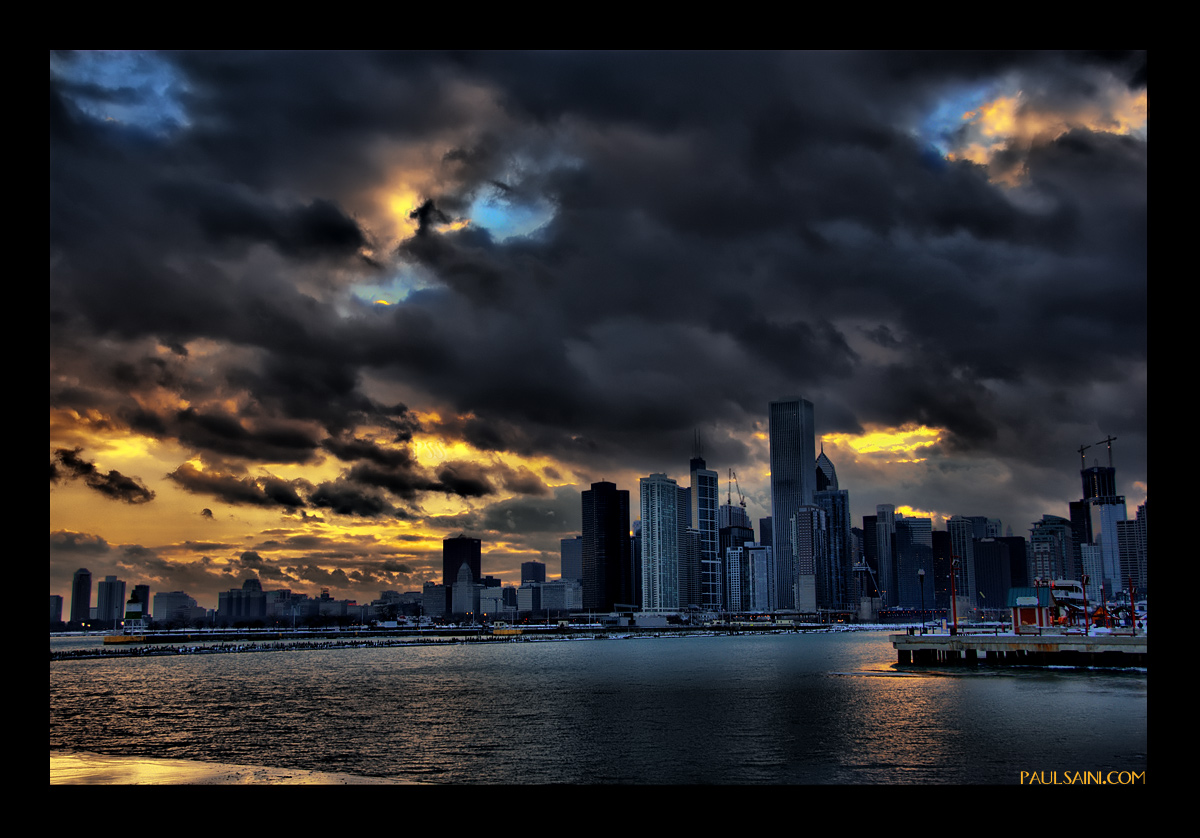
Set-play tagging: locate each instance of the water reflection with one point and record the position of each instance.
(769, 709)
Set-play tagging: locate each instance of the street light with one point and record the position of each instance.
(921, 579)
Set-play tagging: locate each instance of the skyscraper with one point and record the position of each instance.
(835, 574)
(458, 551)
(962, 543)
(606, 552)
(1050, 555)
(704, 500)
(885, 532)
(81, 596)
(110, 600)
(571, 551)
(810, 548)
(914, 553)
(533, 571)
(826, 474)
(660, 543)
(793, 480)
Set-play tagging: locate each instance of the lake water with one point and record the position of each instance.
(793, 708)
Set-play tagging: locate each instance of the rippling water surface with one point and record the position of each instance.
(797, 708)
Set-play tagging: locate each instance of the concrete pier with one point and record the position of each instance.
(1021, 649)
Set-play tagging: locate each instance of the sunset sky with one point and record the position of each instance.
(311, 313)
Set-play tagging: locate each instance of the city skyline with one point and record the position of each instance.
(311, 314)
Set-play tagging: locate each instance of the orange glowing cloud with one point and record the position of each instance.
(897, 445)
(1009, 124)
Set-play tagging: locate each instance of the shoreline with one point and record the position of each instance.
(202, 645)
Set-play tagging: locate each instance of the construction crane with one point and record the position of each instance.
(729, 490)
(1110, 440)
(1083, 459)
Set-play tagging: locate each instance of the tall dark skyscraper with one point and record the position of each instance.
(458, 551)
(607, 555)
(81, 596)
(705, 497)
(793, 479)
(835, 573)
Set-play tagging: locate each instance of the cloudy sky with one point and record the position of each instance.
(310, 313)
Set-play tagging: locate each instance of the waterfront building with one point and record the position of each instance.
(605, 550)
(793, 480)
(81, 596)
(110, 600)
(433, 600)
(56, 610)
(659, 496)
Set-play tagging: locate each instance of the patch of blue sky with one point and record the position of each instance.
(394, 289)
(505, 218)
(944, 124)
(128, 86)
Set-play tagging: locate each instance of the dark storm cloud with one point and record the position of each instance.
(250, 491)
(227, 214)
(724, 229)
(68, 464)
(77, 542)
(348, 498)
(465, 479)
